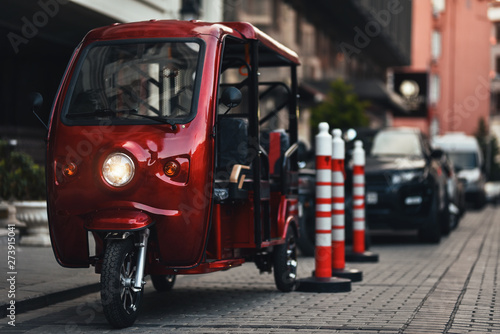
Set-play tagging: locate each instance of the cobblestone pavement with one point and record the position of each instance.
(414, 288)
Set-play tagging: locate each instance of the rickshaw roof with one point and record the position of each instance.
(271, 52)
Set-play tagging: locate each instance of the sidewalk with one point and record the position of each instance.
(414, 288)
(40, 280)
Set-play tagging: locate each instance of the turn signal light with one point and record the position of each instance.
(69, 169)
(171, 168)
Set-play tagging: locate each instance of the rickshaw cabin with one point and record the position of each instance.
(251, 52)
(164, 147)
(250, 214)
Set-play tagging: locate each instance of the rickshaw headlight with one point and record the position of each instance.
(118, 169)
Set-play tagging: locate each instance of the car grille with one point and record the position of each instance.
(377, 179)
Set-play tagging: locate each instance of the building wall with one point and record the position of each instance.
(465, 67)
(422, 29)
(494, 16)
(458, 70)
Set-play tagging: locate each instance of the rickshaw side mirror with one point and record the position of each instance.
(36, 100)
(231, 97)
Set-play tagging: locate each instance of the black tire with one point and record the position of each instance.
(285, 263)
(163, 283)
(446, 219)
(455, 219)
(480, 201)
(431, 232)
(120, 302)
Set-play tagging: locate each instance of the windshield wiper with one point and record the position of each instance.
(109, 112)
(134, 112)
(95, 113)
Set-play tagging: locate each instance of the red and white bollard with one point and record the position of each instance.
(338, 211)
(358, 198)
(338, 201)
(323, 202)
(359, 253)
(322, 280)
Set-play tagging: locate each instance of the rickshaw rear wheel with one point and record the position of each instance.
(285, 262)
(120, 302)
(163, 282)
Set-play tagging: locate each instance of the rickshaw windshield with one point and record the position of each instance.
(135, 83)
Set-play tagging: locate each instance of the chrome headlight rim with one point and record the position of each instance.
(124, 169)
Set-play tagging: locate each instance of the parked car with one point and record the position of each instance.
(466, 155)
(406, 185)
(455, 188)
(493, 192)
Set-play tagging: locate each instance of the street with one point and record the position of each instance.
(414, 288)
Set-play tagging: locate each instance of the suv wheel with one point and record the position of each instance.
(431, 232)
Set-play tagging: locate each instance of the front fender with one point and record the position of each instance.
(118, 220)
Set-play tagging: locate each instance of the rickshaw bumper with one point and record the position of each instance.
(119, 221)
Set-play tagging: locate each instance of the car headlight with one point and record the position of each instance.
(408, 176)
(118, 169)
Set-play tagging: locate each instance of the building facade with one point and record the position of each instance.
(447, 86)
(356, 40)
(352, 39)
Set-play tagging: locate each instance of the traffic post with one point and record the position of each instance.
(322, 280)
(338, 211)
(359, 252)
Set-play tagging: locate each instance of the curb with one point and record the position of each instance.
(49, 299)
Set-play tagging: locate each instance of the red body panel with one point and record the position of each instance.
(180, 207)
(123, 220)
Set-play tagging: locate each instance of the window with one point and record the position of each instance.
(122, 82)
(435, 89)
(394, 143)
(497, 32)
(438, 6)
(436, 45)
(497, 103)
(497, 67)
(256, 7)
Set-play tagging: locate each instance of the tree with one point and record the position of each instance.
(20, 178)
(341, 108)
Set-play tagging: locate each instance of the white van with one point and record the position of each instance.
(465, 153)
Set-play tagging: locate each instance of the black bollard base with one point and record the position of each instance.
(361, 257)
(333, 284)
(354, 275)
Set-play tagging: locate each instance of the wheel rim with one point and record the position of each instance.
(128, 296)
(291, 259)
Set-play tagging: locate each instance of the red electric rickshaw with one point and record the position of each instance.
(172, 148)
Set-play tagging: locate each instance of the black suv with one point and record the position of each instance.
(405, 184)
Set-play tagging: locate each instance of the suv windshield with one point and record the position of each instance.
(396, 143)
(134, 82)
(464, 160)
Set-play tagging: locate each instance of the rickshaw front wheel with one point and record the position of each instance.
(285, 262)
(163, 282)
(120, 301)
